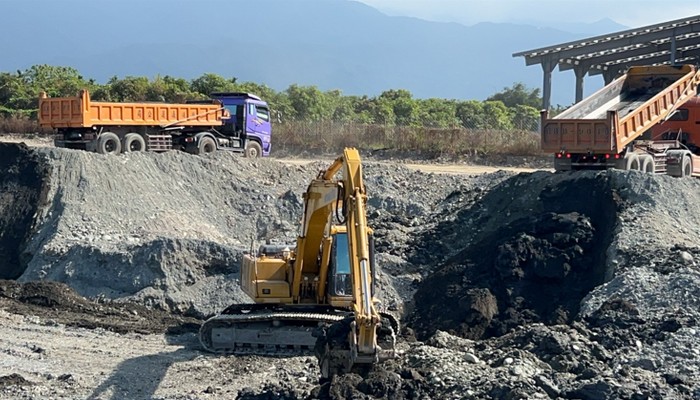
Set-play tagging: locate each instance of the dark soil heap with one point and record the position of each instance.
(23, 187)
(533, 247)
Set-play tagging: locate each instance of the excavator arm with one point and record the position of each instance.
(353, 344)
(318, 295)
(366, 317)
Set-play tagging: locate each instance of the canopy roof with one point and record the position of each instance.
(672, 42)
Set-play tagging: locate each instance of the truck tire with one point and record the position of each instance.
(646, 163)
(108, 143)
(206, 145)
(253, 150)
(686, 167)
(133, 142)
(630, 162)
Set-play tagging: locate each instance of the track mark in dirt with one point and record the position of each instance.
(58, 302)
(14, 380)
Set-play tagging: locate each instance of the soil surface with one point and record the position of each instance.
(509, 284)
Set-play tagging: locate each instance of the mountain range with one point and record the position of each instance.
(331, 44)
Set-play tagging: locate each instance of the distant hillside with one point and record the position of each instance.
(333, 44)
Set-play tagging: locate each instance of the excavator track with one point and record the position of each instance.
(267, 329)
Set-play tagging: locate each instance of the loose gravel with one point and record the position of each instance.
(532, 285)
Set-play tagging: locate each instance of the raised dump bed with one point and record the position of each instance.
(602, 130)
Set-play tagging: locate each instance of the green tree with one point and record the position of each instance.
(438, 113)
(497, 116)
(362, 109)
(210, 83)
(471, 114)
(169, 89)
(309, 103)
(55, 81)
(19, 92)
(10, 87)
(131, 88)
(404, 107)
(525, 117)
(518, 94)
(382, 111)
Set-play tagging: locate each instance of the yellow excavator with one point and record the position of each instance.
(318, 295)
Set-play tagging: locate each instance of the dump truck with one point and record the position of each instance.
(318, 295)
(228, 121)
(613, 128)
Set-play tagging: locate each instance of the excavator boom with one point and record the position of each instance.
(319, 293)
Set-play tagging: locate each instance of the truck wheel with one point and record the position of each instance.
(108, 143)
(686, 167)
(647, 164)
(206, 145)
(133, 142)
(631, 162)
(253, 150)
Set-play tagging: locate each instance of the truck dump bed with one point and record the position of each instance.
(617, 114)
(80, 112)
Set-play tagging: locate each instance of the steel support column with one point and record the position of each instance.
(547, 67)
(609, 75)
(580, 72)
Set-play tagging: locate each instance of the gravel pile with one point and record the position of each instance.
(168, 230)
(575, 285)
(584, 285)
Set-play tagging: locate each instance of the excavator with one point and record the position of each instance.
(319, 295)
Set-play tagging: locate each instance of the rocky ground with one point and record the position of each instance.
(510, 285)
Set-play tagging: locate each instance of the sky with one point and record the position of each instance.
(631, 13)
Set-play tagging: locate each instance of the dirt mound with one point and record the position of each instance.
(57, 302)
(168, 230)
(534, 247)
(386, 384)
(23, 189)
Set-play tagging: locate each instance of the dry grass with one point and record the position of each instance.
(332, 137)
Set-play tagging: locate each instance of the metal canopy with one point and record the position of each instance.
(672, 42)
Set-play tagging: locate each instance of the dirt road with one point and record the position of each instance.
(436, 167)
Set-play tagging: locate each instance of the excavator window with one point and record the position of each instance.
(341, 282)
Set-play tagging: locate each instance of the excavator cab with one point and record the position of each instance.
(340, 274)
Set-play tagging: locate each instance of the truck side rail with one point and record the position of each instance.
(658, 108)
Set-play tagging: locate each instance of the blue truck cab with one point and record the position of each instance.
(249, 126)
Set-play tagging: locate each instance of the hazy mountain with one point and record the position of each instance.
(601, 27)
(333, 44)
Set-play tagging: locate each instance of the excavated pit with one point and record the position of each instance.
(489, 255)
(23, 189)
(531, 250)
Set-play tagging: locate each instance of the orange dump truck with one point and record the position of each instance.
(222, 123)
(612, 128)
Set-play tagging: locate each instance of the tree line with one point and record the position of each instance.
(514, 108)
